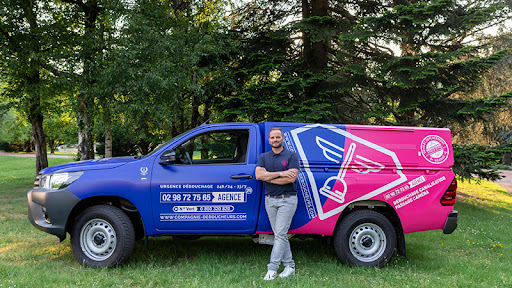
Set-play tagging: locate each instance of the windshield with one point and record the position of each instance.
(163, 144)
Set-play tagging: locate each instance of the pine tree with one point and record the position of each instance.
(381, 62)
(434, 64)
(284, 68)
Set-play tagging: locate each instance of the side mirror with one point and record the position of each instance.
(168, 157)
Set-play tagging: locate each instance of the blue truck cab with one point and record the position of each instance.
(202, 183)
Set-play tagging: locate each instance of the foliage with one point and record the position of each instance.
(437, 62)
(278, 78)
(143, 70)
(274, 87)
(492, 129)
(60, 128)
(35, 43)
(394, 63)
(14, 132)
(123, 142)
(478, 161)
(163, 70)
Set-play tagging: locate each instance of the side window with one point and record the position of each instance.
(214, 147)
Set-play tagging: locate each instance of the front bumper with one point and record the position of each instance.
(451, 222)
(48, 210)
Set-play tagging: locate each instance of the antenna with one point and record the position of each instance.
(206, 122)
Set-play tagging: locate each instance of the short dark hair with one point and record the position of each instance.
(276, 129)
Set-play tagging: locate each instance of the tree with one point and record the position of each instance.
(26, 37)
(88, 30)
(167, 54)
(171, 56)
(432, 79)
(384, 62)
(435, 63)
(493, 129)
(283, 69)
(414, 63)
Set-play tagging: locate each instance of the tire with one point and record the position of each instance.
(365, 238)
(102, 236)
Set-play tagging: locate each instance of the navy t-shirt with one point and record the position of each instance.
(283, 161)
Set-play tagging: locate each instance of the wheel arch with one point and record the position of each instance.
(122, 203)
(384, 209)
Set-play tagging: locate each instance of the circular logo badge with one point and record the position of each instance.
(434, 149)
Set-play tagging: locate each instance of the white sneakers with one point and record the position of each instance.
(271, 275)
(288, 271)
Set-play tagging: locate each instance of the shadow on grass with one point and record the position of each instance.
(169, 251)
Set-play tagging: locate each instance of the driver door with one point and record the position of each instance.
(210, 186)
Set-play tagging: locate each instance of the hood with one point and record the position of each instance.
(96, 164)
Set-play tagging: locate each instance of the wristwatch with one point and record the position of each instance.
(280, 174)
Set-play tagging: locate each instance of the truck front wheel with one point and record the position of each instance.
(365, 238)
(102, 236)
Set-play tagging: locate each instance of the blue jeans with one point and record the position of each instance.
(280, 213)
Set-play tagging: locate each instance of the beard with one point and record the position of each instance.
(277, 144)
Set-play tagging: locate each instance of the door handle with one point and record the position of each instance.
(243, 176)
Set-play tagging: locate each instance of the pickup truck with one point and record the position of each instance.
(360, 187)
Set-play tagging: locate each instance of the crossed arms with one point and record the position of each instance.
(288, 176)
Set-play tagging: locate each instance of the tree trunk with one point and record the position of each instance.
(181, 121)
(52, 143)
(83, 145)
(178, 125)
(319, 49)
(39, 141)
(85, 138)
(194, 119)
(315, 53)
(406, 118)
(90, 49)
(108, 135)
(108, 143)
(144, 146)
(35, 116)
(174, 127)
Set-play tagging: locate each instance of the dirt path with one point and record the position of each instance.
(34, 155)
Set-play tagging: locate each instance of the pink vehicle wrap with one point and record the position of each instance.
(406, 169)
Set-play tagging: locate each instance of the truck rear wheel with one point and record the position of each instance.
(365, 238)
(102, 236)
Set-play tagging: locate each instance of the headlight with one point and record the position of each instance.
(59, 180)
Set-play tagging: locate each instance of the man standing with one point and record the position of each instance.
(279, 168)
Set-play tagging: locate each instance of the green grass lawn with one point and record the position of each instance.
(477, 254)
